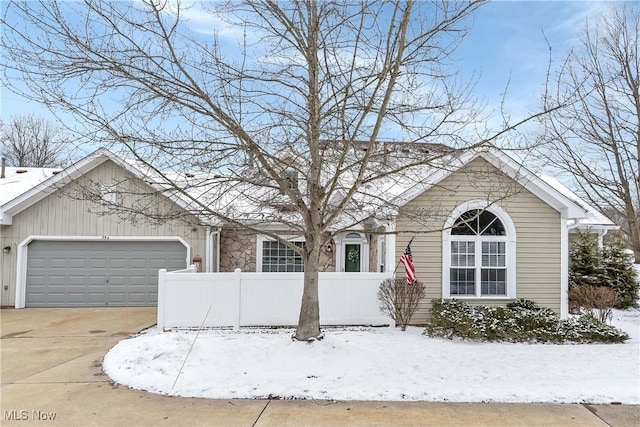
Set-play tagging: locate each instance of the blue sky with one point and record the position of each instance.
(506, 45)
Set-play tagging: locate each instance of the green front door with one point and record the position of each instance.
(352, 258)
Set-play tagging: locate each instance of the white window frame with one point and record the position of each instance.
(510, 250)
(260, 244)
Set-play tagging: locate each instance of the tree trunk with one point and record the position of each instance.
(309, 321)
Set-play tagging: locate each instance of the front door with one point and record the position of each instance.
(352, 258)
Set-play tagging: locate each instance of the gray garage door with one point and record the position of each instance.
(98, 274)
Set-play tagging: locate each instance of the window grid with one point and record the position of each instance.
(493, 254)
(493, 282)
(463, 254)
(463, 281)
(485, 273)
(278, 257)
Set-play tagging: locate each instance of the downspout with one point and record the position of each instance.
(390, 262)
(218, 231)
(564, 265)
(601, 234)
(207, 250)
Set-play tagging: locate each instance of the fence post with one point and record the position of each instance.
(238, 282)
(161, 299)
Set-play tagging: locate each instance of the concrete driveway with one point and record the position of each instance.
(51, 375)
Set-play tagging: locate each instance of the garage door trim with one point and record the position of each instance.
(22, 252)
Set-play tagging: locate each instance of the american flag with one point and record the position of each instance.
(409, 268)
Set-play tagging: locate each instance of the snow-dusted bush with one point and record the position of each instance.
(585, 262)
(399, 300)
(619, 274)
(611, 267)
(521, 321)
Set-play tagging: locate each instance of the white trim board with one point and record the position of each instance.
(22, 254)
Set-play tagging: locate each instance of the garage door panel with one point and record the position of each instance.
(98, 273)
(139, 263)
(77, 262)
(94, 280)
(55, 282)
(75, 298)
(95, 262)
(57, 262)
(76, 280)
(55, 297)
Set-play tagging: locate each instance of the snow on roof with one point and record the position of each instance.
(595, 219)
(19, 180)
(244, 201)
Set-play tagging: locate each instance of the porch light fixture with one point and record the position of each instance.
(6, 249)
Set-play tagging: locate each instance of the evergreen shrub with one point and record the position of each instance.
(520, 321)
(610, 267)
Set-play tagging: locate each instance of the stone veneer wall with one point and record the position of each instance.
(238, 250)
(328, 258)
(373, 253)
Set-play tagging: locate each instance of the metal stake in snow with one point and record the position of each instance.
(191, 348)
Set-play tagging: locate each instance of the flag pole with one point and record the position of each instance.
(398, 263)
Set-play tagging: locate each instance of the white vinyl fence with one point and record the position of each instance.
(187, 299)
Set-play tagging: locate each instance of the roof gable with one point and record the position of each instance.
(32, 191)
(514, 170)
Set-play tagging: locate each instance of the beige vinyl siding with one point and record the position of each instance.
(574, 236)
(537, 233)
(65, 213)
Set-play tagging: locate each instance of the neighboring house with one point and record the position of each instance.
(60, 249)
(484, 229)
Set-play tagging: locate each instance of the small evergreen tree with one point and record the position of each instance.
(585, 268)
(611, 267)
(619, 274)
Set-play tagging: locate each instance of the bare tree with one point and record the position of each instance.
(281, 123)
(32, 141)
(597, 136)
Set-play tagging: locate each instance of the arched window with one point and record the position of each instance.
(479, 252)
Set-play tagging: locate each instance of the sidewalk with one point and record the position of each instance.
(51, 375)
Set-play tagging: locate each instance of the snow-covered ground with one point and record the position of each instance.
(378, 364)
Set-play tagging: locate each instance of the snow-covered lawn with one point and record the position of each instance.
(378, 364)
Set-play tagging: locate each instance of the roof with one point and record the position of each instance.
(247, 202)
(18, 181)
(594, 219)
(25, 189)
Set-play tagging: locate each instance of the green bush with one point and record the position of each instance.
(520, 321)
(619, 275)
(610, 267)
